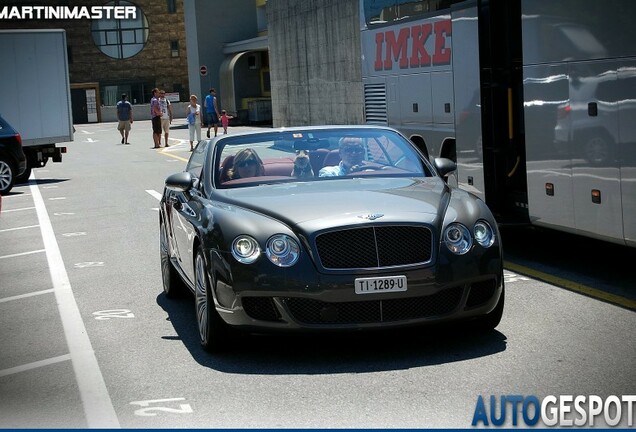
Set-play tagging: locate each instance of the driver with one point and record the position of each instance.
(351, 158)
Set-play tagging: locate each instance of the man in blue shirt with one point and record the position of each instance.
(212, 110)
(125, 117)
(351, 158)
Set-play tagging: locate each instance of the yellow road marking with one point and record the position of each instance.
(573, 286)
(173, 156)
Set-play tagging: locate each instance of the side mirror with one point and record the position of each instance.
(179, 182)
(445, 166)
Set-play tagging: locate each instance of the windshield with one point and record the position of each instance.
(315, 155)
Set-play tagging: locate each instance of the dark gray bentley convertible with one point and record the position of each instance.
(326, 228)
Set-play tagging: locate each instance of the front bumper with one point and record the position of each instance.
(330, 303)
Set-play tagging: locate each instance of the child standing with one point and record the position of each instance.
(225, 120)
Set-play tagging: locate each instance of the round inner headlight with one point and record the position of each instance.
(457, 238)
(245, 249)
(484, 235)
(282, 250)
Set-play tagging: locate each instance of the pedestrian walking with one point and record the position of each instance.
(125, 117)
(193, 116)
(155, 114)
(225, 120)
(212, 110)
(166, 115)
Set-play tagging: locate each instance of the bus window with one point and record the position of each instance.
(386, 11)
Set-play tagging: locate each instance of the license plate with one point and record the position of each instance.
(380, 284)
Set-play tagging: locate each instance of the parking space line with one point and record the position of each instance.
(22, 254)
(98, 407)
(19, 209)
(19, 228)
(154, 193)
(21, 296)
(174, 156)
(34, 365)
(16, 195)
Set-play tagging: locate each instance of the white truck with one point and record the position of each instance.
(36, 95)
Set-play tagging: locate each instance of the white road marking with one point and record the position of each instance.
(19, 228)
(15, 196)
(62, 214)
(74, 234)
(154, 193)
(89, 264)
(19, 209)
(113, 313)
(98, 406)
(34, 365)
(510, 277)
(22, 254)
(57, 199)
(49, 187)
(21, 296)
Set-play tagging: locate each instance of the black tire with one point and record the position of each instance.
(214, 334)
(173, 285)
(24, 177)
(491, 320)
(7, 175)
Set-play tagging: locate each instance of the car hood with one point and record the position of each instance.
(317, 205)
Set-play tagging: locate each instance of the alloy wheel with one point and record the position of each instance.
(201, 299)
(6, 176)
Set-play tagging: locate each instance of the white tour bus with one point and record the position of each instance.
(535, 100)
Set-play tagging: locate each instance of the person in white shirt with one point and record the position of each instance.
(193, 116)
(166, 114)
(351, 158)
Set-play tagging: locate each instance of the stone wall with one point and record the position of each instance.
(315, 62)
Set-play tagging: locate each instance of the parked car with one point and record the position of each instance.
(12, 159)
(386, 244)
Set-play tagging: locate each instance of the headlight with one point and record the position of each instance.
(484, 235)
(457, 238)
(282, 250)
(245, 249)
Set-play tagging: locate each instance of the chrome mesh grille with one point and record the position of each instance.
(374, 247)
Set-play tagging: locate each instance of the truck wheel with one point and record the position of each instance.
(24, 177)
(7, 176)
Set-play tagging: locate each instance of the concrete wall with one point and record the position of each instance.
(142, 111)
(209, 25)
(315, 62)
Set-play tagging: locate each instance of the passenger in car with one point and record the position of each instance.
(246, 163)
(351, 152)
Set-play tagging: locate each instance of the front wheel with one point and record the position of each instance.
(492, 319)
(214, 334)
(173, 286)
